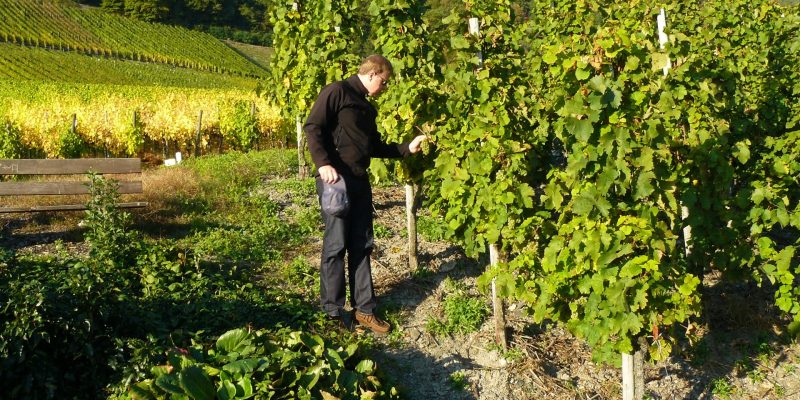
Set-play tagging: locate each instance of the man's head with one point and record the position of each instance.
(374, 73)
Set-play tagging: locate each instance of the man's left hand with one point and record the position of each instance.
(416, 144)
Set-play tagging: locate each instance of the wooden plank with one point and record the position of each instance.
(66, 207)
(58, 188)
(70, 167)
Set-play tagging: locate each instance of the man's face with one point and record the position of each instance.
(377, 83)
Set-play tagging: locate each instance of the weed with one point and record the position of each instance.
(743, 365)
(509, 354)
(513, 355)
(431, 229)
(765, 352)
(790, 368)
(756, 375)
(301, 273)
(298, 190)
(462, 313)
(108, 234)
(780, 391)
(422, 272)
(306, 221)
(382, 232)
(394, 315)
(458, 381)
(722, 388)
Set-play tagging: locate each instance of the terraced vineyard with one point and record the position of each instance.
(57, 24)
(25, 63)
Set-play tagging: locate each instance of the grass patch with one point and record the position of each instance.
(431, 229)
(382, 232)
(458, 381)
(463, 313)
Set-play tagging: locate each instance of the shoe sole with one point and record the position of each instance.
(363, 328)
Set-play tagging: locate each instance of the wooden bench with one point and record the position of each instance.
(128, 166)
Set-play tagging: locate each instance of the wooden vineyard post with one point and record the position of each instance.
(638, 369)
(199, 137)
(494, 255)
(633, 364)
(497, 302)
(411, 225)
(302, 168)
(628, 391)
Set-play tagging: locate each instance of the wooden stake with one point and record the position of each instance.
(199, 137)
(302, 169)
(638, 369)
(497, 303)
(628, 391)
(411, 224)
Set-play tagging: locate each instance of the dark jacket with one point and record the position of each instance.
(341, 130)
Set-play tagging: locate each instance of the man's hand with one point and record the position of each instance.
(416, 144)
(328, 174)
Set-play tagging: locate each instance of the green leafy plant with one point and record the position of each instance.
(239, 125)
(242, 364)
(71, 144)
(301, 273)
(722, 388)
(108, 228)
(431, 228)
(382, 232)
(463, 313)
(10, 144)
(458, 381)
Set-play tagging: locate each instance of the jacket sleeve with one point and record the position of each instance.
(390, 150)
(319, 124)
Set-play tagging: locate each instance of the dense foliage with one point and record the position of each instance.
(314, 49)
(125, 120)
(38, 64)
(262, 364)
(559, 139)
(152, 311)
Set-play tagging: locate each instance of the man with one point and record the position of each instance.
(342, 137)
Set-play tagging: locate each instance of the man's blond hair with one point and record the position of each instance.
(375, 63)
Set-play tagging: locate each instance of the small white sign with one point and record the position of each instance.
(169, 162)
(661, 21)
(474, 26)
(178, 157)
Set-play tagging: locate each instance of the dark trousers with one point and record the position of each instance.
(352, 235)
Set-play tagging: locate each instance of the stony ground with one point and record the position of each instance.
(739, 349)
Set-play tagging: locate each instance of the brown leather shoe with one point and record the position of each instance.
(375, 324)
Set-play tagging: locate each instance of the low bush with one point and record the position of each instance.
(263, 364)
(463, 313)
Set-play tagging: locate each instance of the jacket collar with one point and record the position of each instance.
(357, 85)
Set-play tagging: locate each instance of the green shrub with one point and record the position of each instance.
(10, 144)
(284, 364)
(108, 228)
(431, 229)
(239, 125)
(463, 313)
(71, 144)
